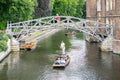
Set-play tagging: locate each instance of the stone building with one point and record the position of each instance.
(107, 11)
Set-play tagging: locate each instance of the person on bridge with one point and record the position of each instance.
(62, 46)
(57, 18)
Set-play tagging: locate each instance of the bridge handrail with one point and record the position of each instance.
(70, 22)
(80, 19)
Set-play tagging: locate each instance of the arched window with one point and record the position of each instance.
(98, 5)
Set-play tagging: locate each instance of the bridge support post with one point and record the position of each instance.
(8, 30)
(107, 44)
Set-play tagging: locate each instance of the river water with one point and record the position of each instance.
(87, 63)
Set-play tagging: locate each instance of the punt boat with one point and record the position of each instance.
(59, 65)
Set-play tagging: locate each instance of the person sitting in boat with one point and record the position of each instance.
(62, 61)
(58, 61)
(67, 57)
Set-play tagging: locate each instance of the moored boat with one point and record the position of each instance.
(70, 33)
(28, 46)
(61, 63)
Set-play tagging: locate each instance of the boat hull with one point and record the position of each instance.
(61, 65)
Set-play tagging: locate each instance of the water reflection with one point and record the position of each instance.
(3, 71)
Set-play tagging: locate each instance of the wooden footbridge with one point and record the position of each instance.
(96, 29)
(23, 30)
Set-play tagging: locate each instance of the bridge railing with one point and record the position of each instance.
(93, 28)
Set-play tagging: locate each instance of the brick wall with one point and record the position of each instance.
(112, 17)
(91, 9)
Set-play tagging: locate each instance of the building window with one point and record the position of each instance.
(107, 5)
(113, 4)
(107, 21)
(110, 4)
(98, 5)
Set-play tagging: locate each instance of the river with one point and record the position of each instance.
(87, 62)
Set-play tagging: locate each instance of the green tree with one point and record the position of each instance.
(43, 8)
(15, 10)
(4, 7)
(84, 11)
(20, 10)
(80, 8)
(3, 41)
(65, 7)
(51, 4)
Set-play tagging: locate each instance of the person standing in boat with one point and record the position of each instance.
(62, 46)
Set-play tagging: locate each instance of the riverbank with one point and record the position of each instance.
(38, 38)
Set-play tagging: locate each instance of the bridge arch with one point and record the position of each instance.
(96, 29)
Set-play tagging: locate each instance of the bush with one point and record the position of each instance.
(3, 41)
(9, 36)
(3, 45)
(5, 37)
(2, 25)
(1, 35)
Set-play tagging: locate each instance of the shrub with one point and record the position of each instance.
(3, 45)
(3, 41)
(9, 36)
(5, 37)
(1, 35)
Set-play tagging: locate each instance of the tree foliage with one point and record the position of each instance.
(84, 11)
(19, 10)
(51, 4)
(68, 7)
(16, 10)
(22, 10)
(80, 7)
(43, 8)
(3, 41)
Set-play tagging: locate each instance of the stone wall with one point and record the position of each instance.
(91, 15)
(116, 19)
(91, 9)
(116, 41)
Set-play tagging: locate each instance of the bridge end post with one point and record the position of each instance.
(8, 26)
